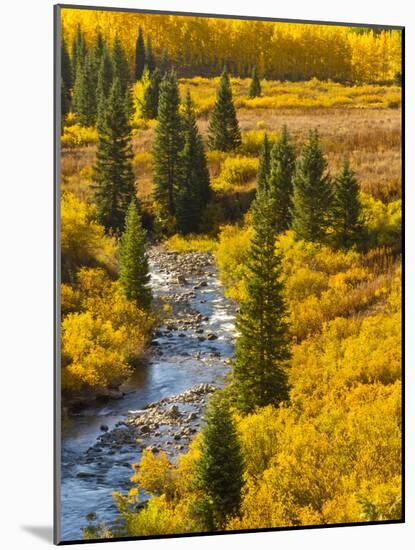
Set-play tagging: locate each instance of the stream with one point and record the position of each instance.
(190, 353)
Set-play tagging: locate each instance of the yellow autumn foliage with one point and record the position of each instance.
(235, 171)
(83, 239)
(294, 51)
(190, 243)
(76, 135)
(332, 454)
(103, 333)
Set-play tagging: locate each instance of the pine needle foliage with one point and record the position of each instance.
(219, 471)
(264, 165)
(134, 271)
(120, 66)
(84, 101)
(78, 51)
(282, 164)
(150, 102)
(263, 346)
(66, 76)
(347, 224)
(312, 193)
(140, 55)
(167, 147)
(255, 86)
(224, 131)
(150, 60)
(113, 173)
(194, 192)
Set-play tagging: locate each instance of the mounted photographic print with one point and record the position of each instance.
(228, 274)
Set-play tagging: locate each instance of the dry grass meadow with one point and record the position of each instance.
(367, 129)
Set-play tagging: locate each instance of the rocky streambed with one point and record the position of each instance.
(161, 408)
(167, 424)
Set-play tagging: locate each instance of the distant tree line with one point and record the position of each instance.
(200, 46)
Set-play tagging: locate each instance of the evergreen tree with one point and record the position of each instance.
(150, 61)
(98, 50)
(219, 471)
(84, 94)
(264, 165)
(224, 132)
(101, 104)
(140, 55)
(311, 200)
(134, 273)
(194, 192)
(262, 348)
(64, 101)
(120, 67)
(79, 51)
(149, 106)
(255, 86)
(104, 81)
(347, 223)
(113, 173)
(167, 146)
(104, 77)
(129, 104)
(66, 70)
(164, 62)
(280, 179)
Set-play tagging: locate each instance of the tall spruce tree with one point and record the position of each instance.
(150, 102)
(312, 193)
(104, 81)
(78, 52)
(66, 74)
(167, 147)
(140, 55)
(95, 56)
(164, 64)
(113, 173)
(262, 347)
(150, 60)
(64, 103)
(280, 184)
(104, 76)
(134, 272)
(347, 225)
(264, 165)
(194, 188)
(219, 471)
(98, 50)
(255, 86)
(224, 132)
(84, 94)
(120, 68)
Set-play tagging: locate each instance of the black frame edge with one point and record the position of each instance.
(57, 275)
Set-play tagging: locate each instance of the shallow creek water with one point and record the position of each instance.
(180, 359)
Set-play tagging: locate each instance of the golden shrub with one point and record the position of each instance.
(77, 135)
(236, 171)
(83, 239)
(103, 337)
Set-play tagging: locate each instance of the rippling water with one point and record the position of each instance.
(185, 361)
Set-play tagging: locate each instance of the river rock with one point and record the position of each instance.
(104, 428)
(212, 336)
